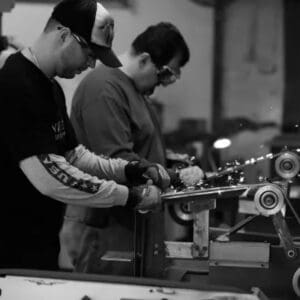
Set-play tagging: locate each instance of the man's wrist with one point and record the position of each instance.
(134, 197)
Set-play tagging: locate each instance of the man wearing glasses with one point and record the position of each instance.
(112, 114)
(43, 165)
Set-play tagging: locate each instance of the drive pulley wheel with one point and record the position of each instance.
(181, 213)
(269, 200)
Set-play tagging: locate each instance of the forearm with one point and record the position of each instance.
(96, 165)
(55, 177)
(128, 155)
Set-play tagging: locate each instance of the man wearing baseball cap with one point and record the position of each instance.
(91, 25)
(43, 165)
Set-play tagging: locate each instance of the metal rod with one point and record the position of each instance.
(293, 210)
(236, 227)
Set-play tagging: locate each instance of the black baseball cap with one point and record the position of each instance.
(92, 22)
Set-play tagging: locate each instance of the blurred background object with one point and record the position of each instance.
(8, 45)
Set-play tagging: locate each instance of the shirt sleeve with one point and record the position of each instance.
(108, 126)
(36, 124)
(29, 133)
(55, 177)
(98, 165)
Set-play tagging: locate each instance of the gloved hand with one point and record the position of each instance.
(140, 172)
(191, 175)
(144, 197)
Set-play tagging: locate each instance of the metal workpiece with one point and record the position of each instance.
(200, 194)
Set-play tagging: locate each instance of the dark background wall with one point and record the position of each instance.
(291, 110)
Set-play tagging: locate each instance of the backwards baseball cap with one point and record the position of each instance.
(92, 22)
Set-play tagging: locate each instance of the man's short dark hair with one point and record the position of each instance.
(162, 41)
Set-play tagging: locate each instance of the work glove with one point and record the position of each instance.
(141, 172)
(144, 197)
(189, 176)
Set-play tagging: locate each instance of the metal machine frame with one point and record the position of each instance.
(268, 199)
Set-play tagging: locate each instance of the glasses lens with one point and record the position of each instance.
(166, 75)
(165, 72)
(80, 41)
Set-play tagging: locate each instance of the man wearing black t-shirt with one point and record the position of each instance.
(42, 165)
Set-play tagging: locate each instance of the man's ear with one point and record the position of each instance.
(144, 58)
(63, 32)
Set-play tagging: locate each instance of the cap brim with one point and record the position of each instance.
(106, 56)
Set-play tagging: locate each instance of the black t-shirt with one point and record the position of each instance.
(34, 121)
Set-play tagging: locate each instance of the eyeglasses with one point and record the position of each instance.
(83, 43)
(166, 75)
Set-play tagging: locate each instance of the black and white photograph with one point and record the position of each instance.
(150, 149)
